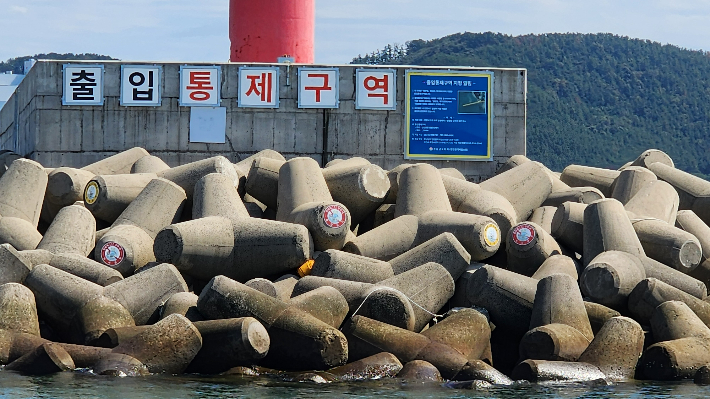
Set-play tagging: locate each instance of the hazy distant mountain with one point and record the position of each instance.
(16, 65)
(593, 99)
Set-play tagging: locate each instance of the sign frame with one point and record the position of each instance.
(336, 87)
(158, 87)
(218, 87)
(393, 107)
(99, 102)
(240, 99)
(489, 75)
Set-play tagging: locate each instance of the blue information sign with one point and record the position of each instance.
(449, 115)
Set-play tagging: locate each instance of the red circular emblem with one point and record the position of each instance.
(523, 234)
(335, 216)
(112, 253)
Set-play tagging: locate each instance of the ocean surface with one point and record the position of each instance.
(85, 385)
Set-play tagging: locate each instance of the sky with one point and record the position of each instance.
(197, 30)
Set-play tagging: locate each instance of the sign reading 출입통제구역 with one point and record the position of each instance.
(449, 115)
(318, 87)
(258, 87)
(83, 84)
(140, 85)
(200, 86)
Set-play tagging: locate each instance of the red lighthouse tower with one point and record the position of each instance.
(263, 30)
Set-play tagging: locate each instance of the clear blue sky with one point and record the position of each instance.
(197, 30)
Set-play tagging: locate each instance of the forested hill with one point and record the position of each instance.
(593, 99)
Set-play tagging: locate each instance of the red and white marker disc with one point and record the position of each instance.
(523, 234)
(335, 216)
(112, 253)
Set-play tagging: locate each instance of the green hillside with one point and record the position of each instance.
(593, 99)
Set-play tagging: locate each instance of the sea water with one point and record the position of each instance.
(86, 385)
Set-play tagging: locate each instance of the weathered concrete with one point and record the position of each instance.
(690, 222)
(668, 244)
(630, 181)
(616, 348)
(656, 199)
(545, 370)
(18, 311)
(362, 189)
(607, 228)
(586, 176)
(528, 246)
(75, 136)
(568, 225)
(73, 231)
(107, 196)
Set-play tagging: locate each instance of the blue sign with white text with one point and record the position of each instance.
(449, 115)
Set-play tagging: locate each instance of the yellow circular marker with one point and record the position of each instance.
(491, 234)
(306, 268)
(91, 192)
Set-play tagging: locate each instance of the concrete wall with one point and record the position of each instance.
(57, 135)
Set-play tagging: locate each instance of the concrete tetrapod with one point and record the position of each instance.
(120, 365)
(507, 296)
(408, 346)
(557, 264)
(517, 160)
(22, 189)
(587, 176)
(558, 300)
(73, 231)
(284, 286)
(183, 303)
(18, 311)
(693, 192)
(652, 156)
(76, 308)
(143, 293)
(187, 175)
(608, 228)
(211, 246)
(168, 346)
(245, 164)
(65, 186)
(298, 340)
(362, 189)
(407, 300)
(443, 249)
(421, 190)
(630, 181)
(47, 358)
(674, 360)
(479, 235)
(263, 285)
(650, 293)
(674, 320)
(543, 216)
(668, 244)
(467, 197)
(107, 196)
(555, 341)
(610, 277)
(128, 244)
(304, 199)
(215, 195)
(13, 266)
(79, 265)
(381, 365)
(582, 195)
(263, 181)
(616, 348)
(690, 222)
(568, 226)
(528, 246)
(464, 329)
(545, 370)
(326, 304)
(656, 199)
(526, 187)
(346, 266)
(419, 370)
(149, 164)
(228, 343)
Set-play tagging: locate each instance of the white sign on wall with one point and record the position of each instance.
(259, 87)
(375, 89)
(140, 85)
(318, 87)
(200, 86)
(83, 84)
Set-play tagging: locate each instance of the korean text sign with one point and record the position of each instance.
(83, 84)
(375, 89)
(318, 87)
(140, 85)
(259, 87)
(200, 86)
(449, 115)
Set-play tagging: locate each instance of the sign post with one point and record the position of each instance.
(449, 115)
